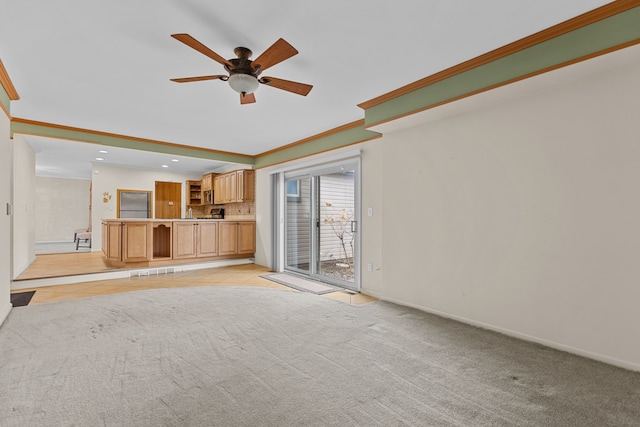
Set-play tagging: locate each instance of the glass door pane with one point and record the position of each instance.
(336, 227)
(298, 217)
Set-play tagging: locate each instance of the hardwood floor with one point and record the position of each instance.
(60, 265)
(67, 264)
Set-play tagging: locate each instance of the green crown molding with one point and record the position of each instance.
(74, 134)
(5, 100)
(315, 145)
(598, 37)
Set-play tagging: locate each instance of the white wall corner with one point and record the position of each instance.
(4, 311)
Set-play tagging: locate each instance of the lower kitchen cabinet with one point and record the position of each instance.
(159, 242)
(195, 239)
(228, 238)
(237, 238)
(207, 242)
(128, 241)
(137, 242)
(246, 237)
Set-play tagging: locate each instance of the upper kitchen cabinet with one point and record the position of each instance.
(246, 188)
(194, 193)
(207, 188)
(234, 187)
(207, 182)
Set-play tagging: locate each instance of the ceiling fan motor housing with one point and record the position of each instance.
(243, 78)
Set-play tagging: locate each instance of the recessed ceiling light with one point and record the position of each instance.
(175, 160)
(99, 158)
(165, 166)
(103, 151)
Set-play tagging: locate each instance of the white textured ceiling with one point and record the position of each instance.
(106, 65)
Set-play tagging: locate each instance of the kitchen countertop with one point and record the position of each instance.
(174, 219)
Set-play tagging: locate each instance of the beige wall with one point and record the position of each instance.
(6, 147)
(24, 212)
(515, 210)
(519, 214)
(62, 206)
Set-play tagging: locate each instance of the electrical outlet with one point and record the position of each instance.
(370, 266)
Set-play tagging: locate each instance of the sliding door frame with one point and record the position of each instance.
(279, 226)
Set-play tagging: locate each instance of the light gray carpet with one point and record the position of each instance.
(227, 356)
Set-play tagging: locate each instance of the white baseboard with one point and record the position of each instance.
(558, 346)
(4, 311)
(18, 271)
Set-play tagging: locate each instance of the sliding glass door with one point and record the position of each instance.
(298, 220)
(321, 219)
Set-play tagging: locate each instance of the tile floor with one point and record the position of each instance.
(240, 275)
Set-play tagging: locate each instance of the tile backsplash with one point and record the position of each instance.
(231, 211)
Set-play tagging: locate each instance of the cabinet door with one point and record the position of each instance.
(184, 239)
(206, 182)
(227, 238)
(239, 186)
(136, 242)
(114, 241)
(246, 237)
(217, 190)
(207, 239)
(246, 186)
(232, 187)
(105, 238)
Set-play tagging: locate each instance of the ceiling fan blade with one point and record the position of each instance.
(276, 53)
(247, 99)
(295, 87)
(200, 78)
(195, 44)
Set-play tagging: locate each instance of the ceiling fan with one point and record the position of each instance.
(244, 73)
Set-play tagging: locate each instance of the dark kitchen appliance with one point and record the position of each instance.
(217, 213)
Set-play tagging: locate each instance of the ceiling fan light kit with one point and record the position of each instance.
(243, 72)
(243, 83)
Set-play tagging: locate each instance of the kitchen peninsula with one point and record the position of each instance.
(133, 242)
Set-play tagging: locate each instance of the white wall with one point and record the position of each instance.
(264, 218)
(520, 214)
(62, 206)
(110, 179)
(6, 147)
(24, 212)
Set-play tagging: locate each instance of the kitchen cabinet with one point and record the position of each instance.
(207, 182)
(207, 189)
(234, 187)
(237, 238)
(128, 242)
(149, 242)
(136, 242)
(228, 238)
(112, 240)
(162, 240)
(194, 193)
(246, 237)
(245, 185)
(195, 239)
